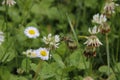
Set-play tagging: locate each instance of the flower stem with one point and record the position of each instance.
(37, 70)
(108, 53)
(72, 28)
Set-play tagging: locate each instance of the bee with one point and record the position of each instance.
(71, 44)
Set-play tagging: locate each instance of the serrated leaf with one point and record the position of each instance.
(59, 61)
(83, 65)
(47, 70)
(26, 64)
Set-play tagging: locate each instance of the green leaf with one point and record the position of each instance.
(104, 69)
(59, 61)
(112, 77)
(14, 77)
(62, 49)
(4, 73)
(47, 70)
(91, 3)
(33, 66)
(83, 65)
(117, 67)
(26, 64)
(69, 68)
(7, 51)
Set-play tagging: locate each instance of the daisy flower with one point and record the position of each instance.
(8, 2)
(1, 37)
(99, 19)
(52, 40)
(31, 32)
(43, 53)
(93, 41)
(30, 53)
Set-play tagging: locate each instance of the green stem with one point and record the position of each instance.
(117, 50)
(72, 28)
(75, 36)
(84, 37)
(62, 75)
(108, 54)
(37, 70)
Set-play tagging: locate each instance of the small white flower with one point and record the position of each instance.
(52, 40)
(99, 19)
(8, 2)
(47, 39)
(1, 37)
(43, 53)
(30, 53)
(31, 32)
(95, 30)
(57, 38)
(93, 41)
(110, 7)
(88, 78)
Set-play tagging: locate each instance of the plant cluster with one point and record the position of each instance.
(44, 40)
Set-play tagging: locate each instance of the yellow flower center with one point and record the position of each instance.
(43, 53)
(32, 32)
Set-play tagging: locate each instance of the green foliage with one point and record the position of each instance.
(49, 16)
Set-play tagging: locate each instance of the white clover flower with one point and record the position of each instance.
(30, 53)
(52, 40)
(57, 38)
(1, 37)
(47, 39)
(31, 32)
(43, 53)
(88, 78)
(95, 30)
(110, 7)
(8, 2)
(93, 41)
(99, 19)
